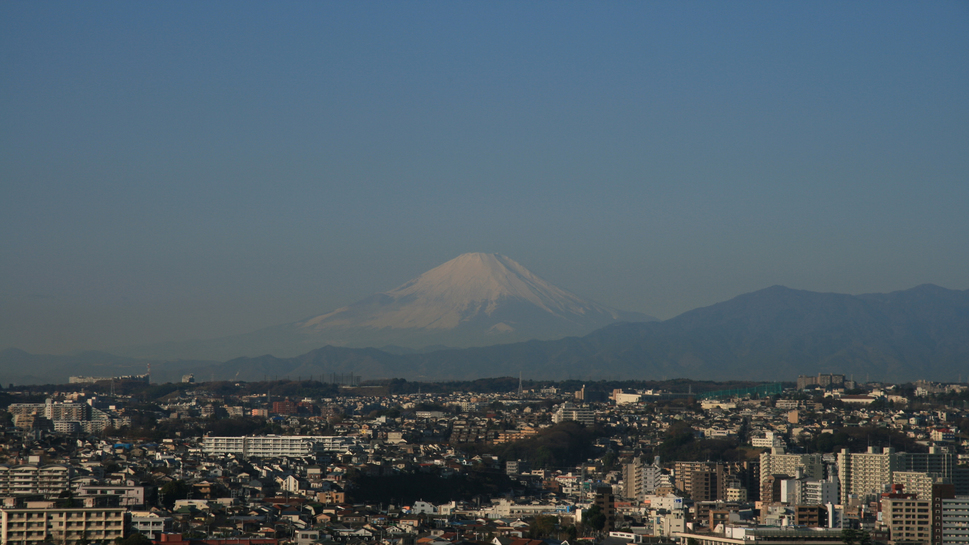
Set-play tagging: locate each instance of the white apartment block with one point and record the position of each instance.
(50, 480)
(669, 502)
(570, 411)
(508, 509)
(150, 524)
(868, 474)
(915, 482)
(817, 492)
(769, 440)
(640, 479)
(776, 462)
(64, 526)
(276, 446)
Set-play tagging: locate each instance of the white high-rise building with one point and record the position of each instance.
(914, 482)
(868, 474)
(818, 492)
(640, 479)
(777, 462)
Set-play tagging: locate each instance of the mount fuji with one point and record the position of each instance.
(475, 299)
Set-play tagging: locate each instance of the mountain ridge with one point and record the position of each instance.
(776, 333)
(475, 299)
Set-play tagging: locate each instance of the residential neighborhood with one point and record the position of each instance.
(502, 462)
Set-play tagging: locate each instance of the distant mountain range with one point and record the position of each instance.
(772, 334)
(475, 299)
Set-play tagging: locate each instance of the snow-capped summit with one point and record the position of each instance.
(475, 299)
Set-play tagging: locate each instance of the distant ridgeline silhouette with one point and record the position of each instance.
(775, 334)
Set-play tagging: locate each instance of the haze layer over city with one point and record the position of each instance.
(179, 171)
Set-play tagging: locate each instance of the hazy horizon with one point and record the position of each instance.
(177, 170)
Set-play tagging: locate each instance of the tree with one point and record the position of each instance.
(850, 536)
(594, 518)
(542, 527)
(133, 539)
(173, 490)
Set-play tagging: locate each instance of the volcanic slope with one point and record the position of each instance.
(476, 299)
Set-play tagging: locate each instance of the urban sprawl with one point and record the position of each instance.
(495, 461)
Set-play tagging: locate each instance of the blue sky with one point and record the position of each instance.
(175, 170)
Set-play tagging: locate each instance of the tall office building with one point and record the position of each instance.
(935, 462)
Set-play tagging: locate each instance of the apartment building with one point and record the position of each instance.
(867, 474)
(936, 462)
(49, 481)
(48, 524)
(570, 411)
(769, 440)
(955, 521)
(150, 525)
(606, 502)
(778, 462)
(702, 481)
(276, 446)
(640, 479)
(765, 536)
(917, 483)
(907, 518)
(810, 516)
(64, 417)
(112, 496)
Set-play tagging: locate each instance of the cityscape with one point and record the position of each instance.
(528, 272)
(505, 461)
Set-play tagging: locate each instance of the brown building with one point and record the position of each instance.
(770, 490)
(286, 407)
(331, 497)
(939, 492)
(813, 516)
(718, 516)
(607, 505)
(748, 473)
(702, 481)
